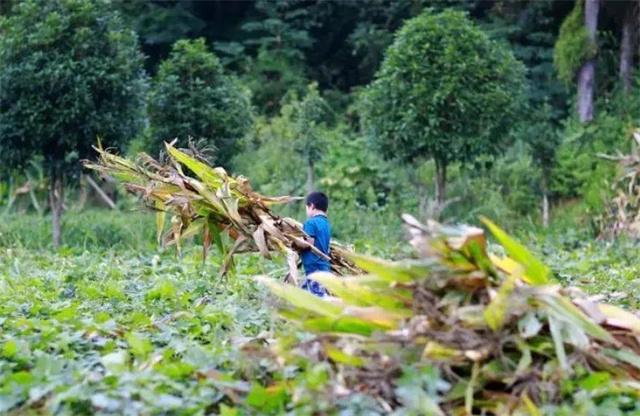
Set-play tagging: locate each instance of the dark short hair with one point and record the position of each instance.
(319, 200)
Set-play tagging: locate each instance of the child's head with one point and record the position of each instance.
(316, 202)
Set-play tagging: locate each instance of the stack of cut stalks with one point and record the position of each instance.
(206, 200)
(505, 337)
(622, 215)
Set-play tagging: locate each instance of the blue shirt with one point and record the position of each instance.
(318, 228)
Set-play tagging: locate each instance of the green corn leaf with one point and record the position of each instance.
(301, 298)
(558, 343)
(535, 272)
(194, 228)
(626, 356)
(352, 291)
(403, 272)
(339, 356)
(209, 175)
(342, 324)
(562, 309)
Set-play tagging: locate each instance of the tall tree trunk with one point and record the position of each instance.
(545, 201)
(441, 181)
(310, 176)
(587, 73)
(626, 48)
(84, 192)
(56, 200)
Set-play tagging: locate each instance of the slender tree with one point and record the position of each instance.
(70, 72)
(587, 73)
(575, 54)
(312, 114)
(630, 22)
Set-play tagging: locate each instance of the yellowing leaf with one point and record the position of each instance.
(620, 318)
(339, 356)
(496, 312)
(160, 219)
(531, 407)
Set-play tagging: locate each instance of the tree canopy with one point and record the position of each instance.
(70, 72)
(191, 96)
(444, 91)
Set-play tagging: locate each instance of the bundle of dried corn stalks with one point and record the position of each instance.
(206, 200)
(622, 215)
(504, 336)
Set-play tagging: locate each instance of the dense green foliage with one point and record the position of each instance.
(193, 97)
(445, 91)
(70, 73)
(87, 334)
(573, 46)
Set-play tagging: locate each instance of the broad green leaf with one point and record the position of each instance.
(140, 346)
(115, 362)
(9, 349)
(595, 380)
(535, 272)
(341, 324)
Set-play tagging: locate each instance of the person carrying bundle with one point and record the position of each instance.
(318, 229)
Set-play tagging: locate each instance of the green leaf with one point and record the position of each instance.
(352, 291)
(402, 272)
(339, 356)
(139, 345)
(535, 272)
(10, 349)
(562, 309)
(558, 343)
(160, 219)
(301, 298)
(211, 176)
(115, 362)
(595, 380)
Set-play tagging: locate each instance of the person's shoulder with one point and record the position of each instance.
(324, 220)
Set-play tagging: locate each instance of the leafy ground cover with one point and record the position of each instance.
(123, 333)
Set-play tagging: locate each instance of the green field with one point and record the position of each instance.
(124, 328)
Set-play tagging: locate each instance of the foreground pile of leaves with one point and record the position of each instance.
(458, 330)
(206, 200)
(622, 215)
